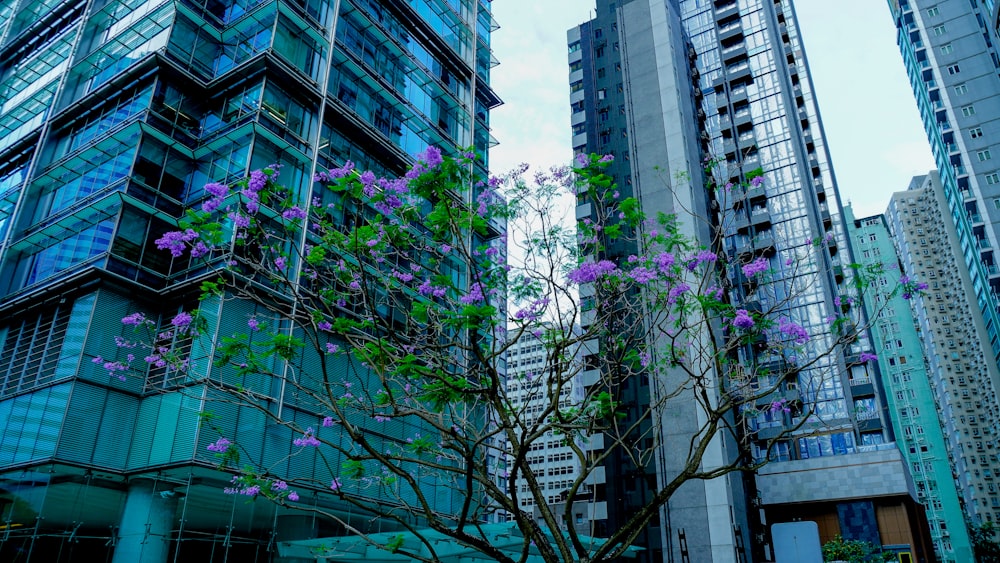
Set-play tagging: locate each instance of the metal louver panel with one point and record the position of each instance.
(31, 349)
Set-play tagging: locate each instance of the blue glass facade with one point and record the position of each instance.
(113, 115)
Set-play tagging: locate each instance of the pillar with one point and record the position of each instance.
(144, 529)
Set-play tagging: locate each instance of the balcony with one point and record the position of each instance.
(760, 216)
(728, 11)
(743, 117)
(730, 30)
(861, 416)
(734, 52)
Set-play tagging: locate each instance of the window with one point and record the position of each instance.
(575, 66)
(961, 89)
(946, 49)
(932, 11)
(969, 111)
(574, 46)
(953, 69)
(976, 133)
(994, 179)
(938, 30)
(576, 86)
(983, 156)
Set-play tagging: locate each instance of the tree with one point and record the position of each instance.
(374, 322)
(854, 551)
(984, 543)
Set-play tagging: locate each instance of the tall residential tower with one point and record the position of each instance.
(665, 85)
(950, 51)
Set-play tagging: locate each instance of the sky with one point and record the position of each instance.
(873, 130)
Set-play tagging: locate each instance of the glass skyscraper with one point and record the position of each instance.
(664, 85)
(113, 116)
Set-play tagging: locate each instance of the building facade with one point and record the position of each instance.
(905, 368)
(961, 369)
(114, 115)
(664, 85)
(554, 463)
(950, 52)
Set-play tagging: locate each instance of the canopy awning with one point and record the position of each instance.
(367, 548)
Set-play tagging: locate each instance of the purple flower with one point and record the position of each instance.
(135, 319)
(642, 275)
(757, 266)
(210, 205)
(589, 271)
(199, 249)
(677, 291)
(328, 422)
(474, 296)
(279, 263)
(757, 181)
(335, 484)
(256, 182)
(175, 241)
(582, 160)
(294, 213)
(252, 323)
(332, 348)
(798, 334)
(181, 320)
(240, 221)
(607, 158)
(780, 405)
(713, 292)
(867, 357)
(216, 189)
(307, 439)
(532, 311)
(293, 496)
(445, 248)
(324, 325)
(664, 261)
(219, 446)
(404, 277)
(742, 319)
(702, 257)
(431, 157)
(429, 290)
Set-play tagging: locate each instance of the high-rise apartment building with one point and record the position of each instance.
(113, 115)
(552, 460)
(950, 51)
(908, 373)
(960, 364)
(663, 85)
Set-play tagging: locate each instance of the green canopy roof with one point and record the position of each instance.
(505, 536)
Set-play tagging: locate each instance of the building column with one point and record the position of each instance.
(144, 530)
